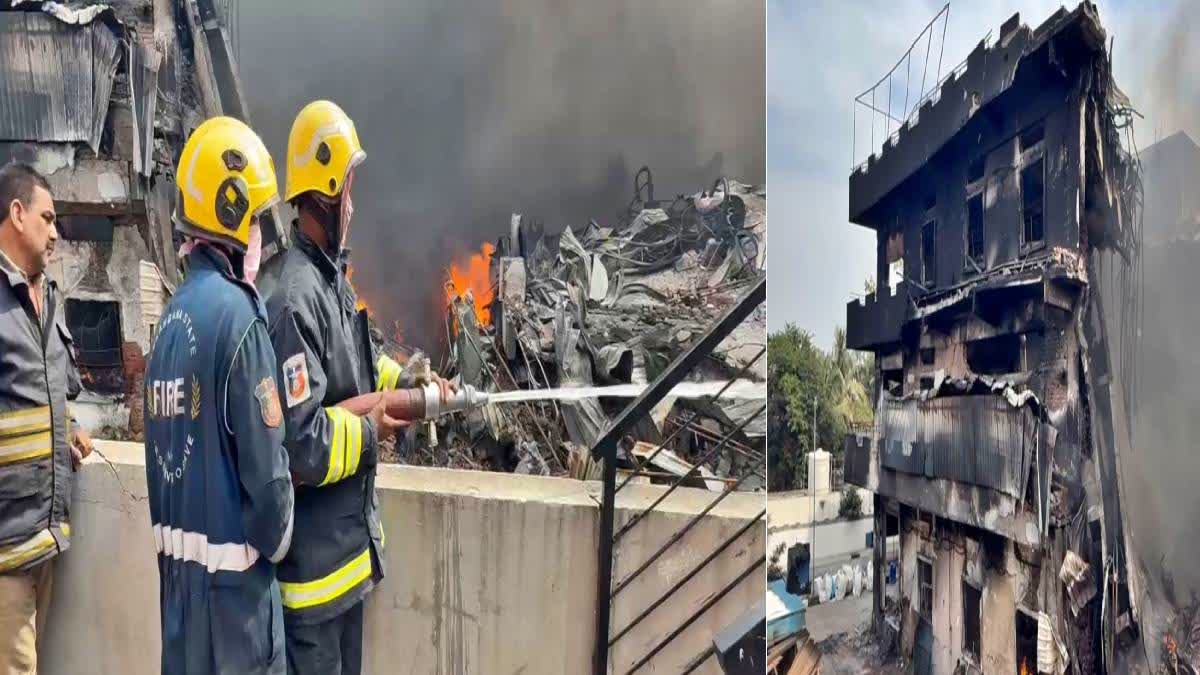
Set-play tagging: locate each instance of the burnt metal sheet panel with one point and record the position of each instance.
(19, 100)
(977, 440)
(55, 78)
(858, 459)
(145, 87)
(104, 61)
(900, 448)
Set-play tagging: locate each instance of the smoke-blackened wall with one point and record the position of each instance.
(470, 110)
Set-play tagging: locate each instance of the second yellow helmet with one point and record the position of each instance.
(322, 149)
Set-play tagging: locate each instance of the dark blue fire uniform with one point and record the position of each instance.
(221, 499)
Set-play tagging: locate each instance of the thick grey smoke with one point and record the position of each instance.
(1174, 92)
(1162, 77)
(470, 110)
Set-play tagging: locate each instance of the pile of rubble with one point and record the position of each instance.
(600, 305)
(1181, 642)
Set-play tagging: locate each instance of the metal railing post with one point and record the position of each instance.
(605, 449)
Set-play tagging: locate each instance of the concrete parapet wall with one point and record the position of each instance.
(486, 573)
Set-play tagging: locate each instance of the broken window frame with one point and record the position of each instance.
(1001, 354)
(1022, 614)
(975, 192)
(1030, 155)
(86, 228)
(967, 644)
(924, 603)
(86, 351)
(927, 355)
(929, 253)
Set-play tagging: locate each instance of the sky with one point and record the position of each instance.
(821, 54)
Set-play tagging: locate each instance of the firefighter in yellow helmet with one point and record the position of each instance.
(220, 494)
(326, 357)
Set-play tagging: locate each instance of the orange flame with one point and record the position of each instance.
(1025, 667)
(473, 276)
(361, 304)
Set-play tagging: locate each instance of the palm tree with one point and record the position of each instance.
(853, 403)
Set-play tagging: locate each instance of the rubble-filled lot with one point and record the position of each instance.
(603, 304)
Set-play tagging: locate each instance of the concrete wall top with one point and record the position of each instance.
(494, 485)
(485, 573)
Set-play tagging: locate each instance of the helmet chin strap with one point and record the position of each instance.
(345, 210)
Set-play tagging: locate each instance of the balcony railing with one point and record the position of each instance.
(876, 320)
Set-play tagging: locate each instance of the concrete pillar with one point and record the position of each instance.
(818, 471)
(998, 633)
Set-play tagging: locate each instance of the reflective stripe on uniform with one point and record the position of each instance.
(345, 450)
(387, 373)
(22, 422)
(194, 547)
(12, 557)
(298, 595)
(22, 448)
(354, 426)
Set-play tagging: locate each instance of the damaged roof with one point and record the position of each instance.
(56, 75)
(988, 72)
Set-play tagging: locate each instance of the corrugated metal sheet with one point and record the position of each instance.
(145, 87)
(900, 448)
(857, 451)
(18, 107)
(104, 71)
(979, 440)
(151, 295)
(55, 78)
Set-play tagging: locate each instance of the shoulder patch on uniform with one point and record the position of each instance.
(268, 402)
(295, 380)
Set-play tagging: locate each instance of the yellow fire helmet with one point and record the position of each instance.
(225, 177)
(322, 149)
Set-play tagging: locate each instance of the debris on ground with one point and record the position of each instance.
(859, 652)
(605, 304)
(1181, 643)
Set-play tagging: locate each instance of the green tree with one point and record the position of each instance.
(800, 376)
(776, 567)
(851, 504)
(853, 371)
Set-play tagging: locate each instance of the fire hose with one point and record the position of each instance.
(417, 403)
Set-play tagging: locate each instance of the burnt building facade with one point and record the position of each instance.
(100, 97)
(999, 208)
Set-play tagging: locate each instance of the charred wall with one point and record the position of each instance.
(986, 159)
(99, 98)
(1006, 240)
